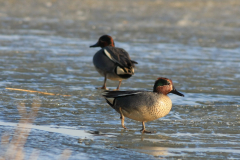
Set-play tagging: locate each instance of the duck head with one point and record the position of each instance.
(104, 41)
(165, 86)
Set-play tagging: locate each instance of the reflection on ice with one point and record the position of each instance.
(155, 151)
(59, 129)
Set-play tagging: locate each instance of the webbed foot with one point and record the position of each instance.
(105, 88)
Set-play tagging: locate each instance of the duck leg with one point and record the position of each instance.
(143, 129)
(122, 118)
(104, 83)
(119, 84)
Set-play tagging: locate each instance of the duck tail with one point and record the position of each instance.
(124, 72)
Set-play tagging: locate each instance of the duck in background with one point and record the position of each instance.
(111, 62)
(143, 106)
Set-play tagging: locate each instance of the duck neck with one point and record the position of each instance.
(161, 90)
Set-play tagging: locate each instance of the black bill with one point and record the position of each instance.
(174, 91)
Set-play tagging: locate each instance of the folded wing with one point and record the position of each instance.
(124, 65)
(110, 96)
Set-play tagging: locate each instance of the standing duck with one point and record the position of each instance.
(112, 62)
(143, 106)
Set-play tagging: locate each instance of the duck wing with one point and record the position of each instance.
(120, 57)
(115, 94)
(110, 96)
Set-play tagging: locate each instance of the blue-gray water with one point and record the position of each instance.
(44, 46)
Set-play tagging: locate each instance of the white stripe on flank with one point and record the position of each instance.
(108, 55)
(120, 95)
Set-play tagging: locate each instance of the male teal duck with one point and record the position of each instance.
(111, 62)
(143, 106)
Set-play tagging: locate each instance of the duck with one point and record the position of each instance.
(143, 106)
(111, 62)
